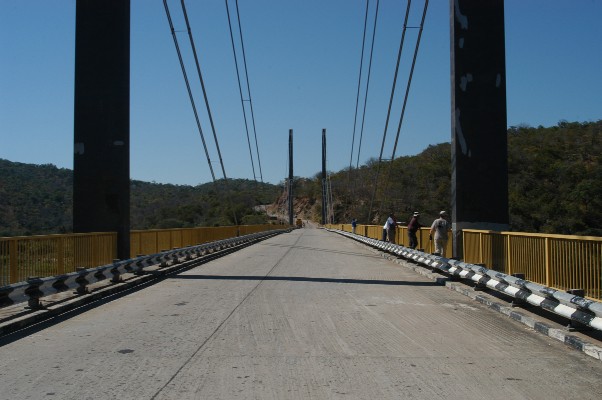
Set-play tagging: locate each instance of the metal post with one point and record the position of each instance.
(324, 197)
(290, 177)
(479, 141)
(101, 170)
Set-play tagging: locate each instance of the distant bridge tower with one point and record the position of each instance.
(324, 188)
(290, 177)
(479, 127)
(101, 167)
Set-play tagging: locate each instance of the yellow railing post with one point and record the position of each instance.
(12, 270)
(547, 261)
(508, 254)
(61, 256)
(481, 247)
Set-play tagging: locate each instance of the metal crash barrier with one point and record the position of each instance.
(576, 308)
(35, 288)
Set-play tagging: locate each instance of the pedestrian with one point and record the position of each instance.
(391, 227)
(439, 229)
(353, 225)
(413, 227)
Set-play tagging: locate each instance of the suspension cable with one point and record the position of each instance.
(242, 101)
(359, 81)
(198, 68)
(380, 157)
(405, 100)
(359, 148)
(244, 58)
(196, 115)
(388, 180)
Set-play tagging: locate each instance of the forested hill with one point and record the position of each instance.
(555, 186)
(37, 199)
(555, 183)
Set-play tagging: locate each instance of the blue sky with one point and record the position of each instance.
(303, 62)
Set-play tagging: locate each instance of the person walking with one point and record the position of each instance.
(439, 229)
(391, 227)
(413, 227)
(353, 225)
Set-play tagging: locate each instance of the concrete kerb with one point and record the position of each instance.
(411, 262)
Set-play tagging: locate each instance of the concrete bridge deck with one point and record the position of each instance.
(303, 315)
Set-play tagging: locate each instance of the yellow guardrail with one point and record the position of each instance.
(28, 256)
(559, 261)
(401, 235)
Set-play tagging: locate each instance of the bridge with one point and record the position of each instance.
(307, 313)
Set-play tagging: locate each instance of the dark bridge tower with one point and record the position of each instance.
(101, 181)
(479, 141)
(324, 187)
(290, 177)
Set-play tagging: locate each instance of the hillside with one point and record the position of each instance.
(37, 199)
(555, 183)
(555, 186)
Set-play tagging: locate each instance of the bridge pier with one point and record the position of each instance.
(101, 167)
(479, 127)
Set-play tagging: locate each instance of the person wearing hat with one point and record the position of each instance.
(413, 227)
(439, 228)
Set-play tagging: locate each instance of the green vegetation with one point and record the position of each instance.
(555, 183)
(555, 186)
(37, 199)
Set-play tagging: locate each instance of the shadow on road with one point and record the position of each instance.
(305, 279)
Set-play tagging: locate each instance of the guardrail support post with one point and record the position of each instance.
(82, 282)
(116, 275)
(518, 302)
(479, 286)
(34, 293)
(576, 325)
(175, 260)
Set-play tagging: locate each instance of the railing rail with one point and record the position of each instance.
(32, 290)
(401, 235)
(562, 262)
(559, 261)
(22, 257)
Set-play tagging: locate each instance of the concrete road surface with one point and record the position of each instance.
(304, 315)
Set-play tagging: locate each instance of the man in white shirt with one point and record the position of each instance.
(439, 228)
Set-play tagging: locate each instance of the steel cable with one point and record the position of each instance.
(380, 157)
(196, 115)
(359, 148)
(409, 83)
(244, 58)
(242, 101)
(357, 97)
(198, 68)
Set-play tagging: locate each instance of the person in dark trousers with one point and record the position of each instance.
(413, 227)
(391, 227)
